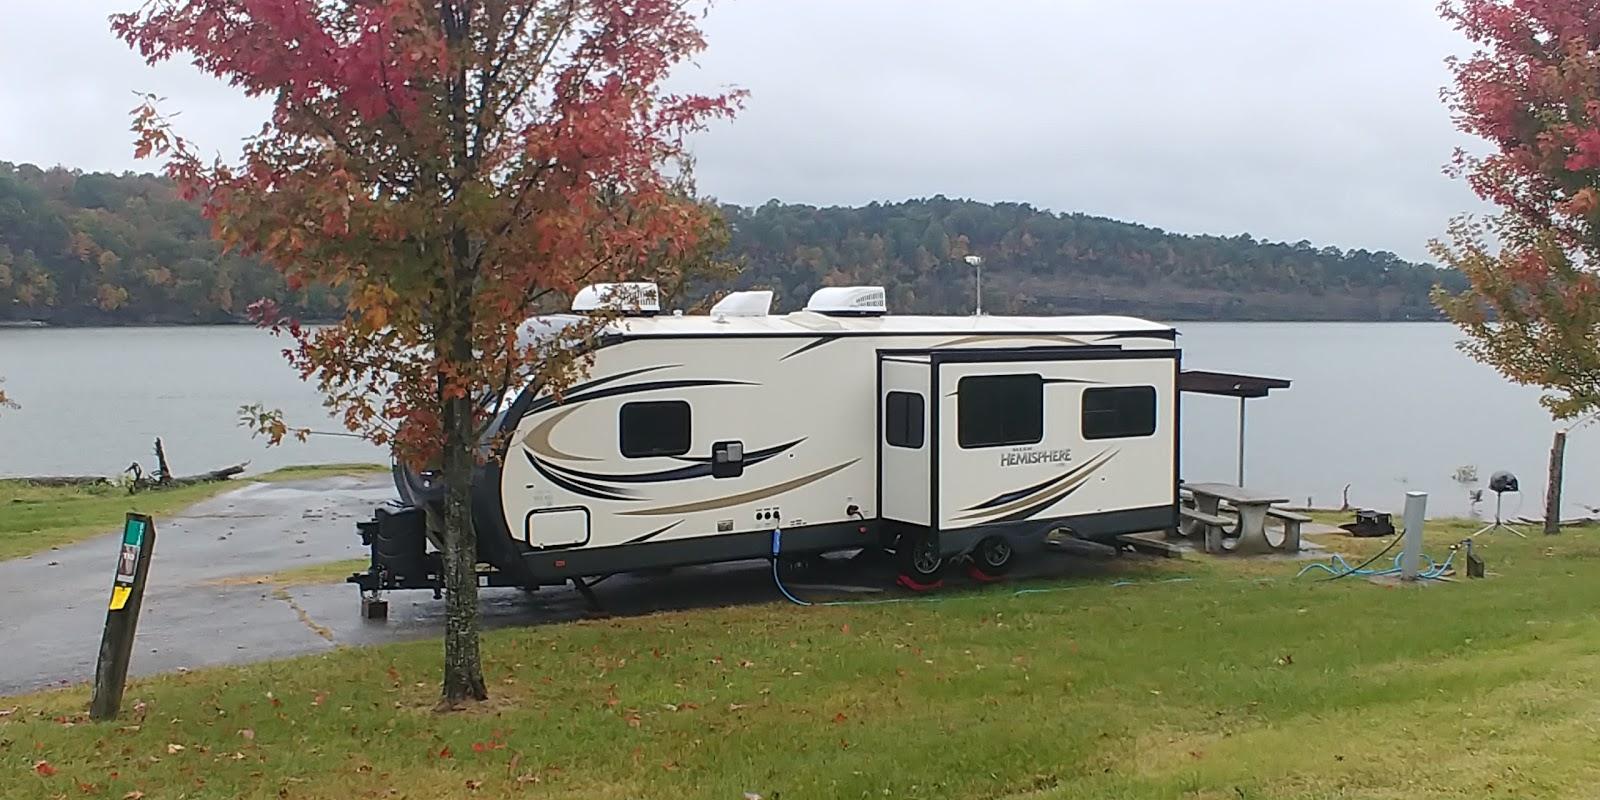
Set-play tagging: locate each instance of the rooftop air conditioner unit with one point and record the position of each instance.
(744, 304)
(633, 299)
(849, 301)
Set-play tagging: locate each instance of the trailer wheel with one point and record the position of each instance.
(992, 556)
(919, 561)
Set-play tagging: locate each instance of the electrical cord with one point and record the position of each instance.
(1364, 564)
(1338, 568)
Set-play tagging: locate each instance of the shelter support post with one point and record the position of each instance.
(1241, 441)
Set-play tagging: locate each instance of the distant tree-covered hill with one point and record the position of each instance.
(91, 248)
(1039, 262)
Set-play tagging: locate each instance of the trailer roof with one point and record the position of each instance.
(806, 323)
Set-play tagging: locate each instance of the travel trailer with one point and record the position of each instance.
(693, 438)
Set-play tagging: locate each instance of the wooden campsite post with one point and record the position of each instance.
(122, 616)
(1552, 493)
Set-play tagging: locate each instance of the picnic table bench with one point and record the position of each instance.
(1205, 522)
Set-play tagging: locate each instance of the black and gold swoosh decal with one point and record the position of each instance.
(653, 534)
(579, 486)
(1047, 493)
(651, 386)
(808, 347)
(549, 400)
(742, 497)
(701, 467)
(1022, 514)
(1002, 499)
(538, 439)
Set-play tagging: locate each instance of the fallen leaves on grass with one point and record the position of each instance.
(44, 768)
(249, 734)
(174, 749)
(134, 795)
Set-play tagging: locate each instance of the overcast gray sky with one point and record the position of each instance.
(1287, 119)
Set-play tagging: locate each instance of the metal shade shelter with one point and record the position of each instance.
(1226, 384)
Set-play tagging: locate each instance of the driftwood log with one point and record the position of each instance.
(163, 478)
(142, 482)
(139, 481)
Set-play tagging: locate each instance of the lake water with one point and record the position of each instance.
(1385, 408)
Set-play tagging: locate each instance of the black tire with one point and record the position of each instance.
(993, 556)
(918, 560)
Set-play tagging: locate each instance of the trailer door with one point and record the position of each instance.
(904, 396)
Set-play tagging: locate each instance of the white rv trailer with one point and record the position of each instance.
(692, 438)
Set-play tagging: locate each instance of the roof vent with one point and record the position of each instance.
(633, 299)
(849, 301)
(744, 304)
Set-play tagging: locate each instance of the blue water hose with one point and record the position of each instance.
(1338, 567)
(777, 546)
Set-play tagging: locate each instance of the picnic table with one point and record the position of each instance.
(1252, 508)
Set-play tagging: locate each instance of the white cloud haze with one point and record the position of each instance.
(1287, 119)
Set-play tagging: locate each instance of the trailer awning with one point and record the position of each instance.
(1226, 384)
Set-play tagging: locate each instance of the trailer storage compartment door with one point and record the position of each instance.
(565, 526)
(904, 396)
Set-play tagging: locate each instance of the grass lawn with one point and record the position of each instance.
(1242, 682)
(37, 518)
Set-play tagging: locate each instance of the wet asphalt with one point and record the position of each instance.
(206, 604)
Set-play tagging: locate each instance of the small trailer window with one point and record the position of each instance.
(999, 410)
(658, 428)
(1122, 412)
(903, 413)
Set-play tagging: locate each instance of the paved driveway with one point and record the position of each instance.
(201, 609)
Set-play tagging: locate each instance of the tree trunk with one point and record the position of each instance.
(1552, 493)
(463, 667)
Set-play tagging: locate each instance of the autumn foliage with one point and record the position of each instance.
(450, 165)
(439, 161)
(1532, 90)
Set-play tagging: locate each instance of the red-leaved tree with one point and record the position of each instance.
(446, 164)
(1532, 311)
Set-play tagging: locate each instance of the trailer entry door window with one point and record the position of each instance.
(999, 410)
(657, 428)
(903, 413)
(1123, 412)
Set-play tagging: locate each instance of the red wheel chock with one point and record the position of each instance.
(909, 583)
(980, 576)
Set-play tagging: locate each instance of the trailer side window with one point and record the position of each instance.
(655, 428)
(903, 413)
(1122, 412)
(999, 410)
